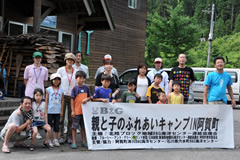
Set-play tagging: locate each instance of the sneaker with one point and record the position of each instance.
(74, 146)
(50, 143)
(46, 145)
(69, 140)
(39, 136)
(56, 143)
(78, 132)
(61, 141)
(84, 145)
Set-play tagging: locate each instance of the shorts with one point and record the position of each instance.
(16, 136)
(76, 121)
(53, 121)
(38, 123)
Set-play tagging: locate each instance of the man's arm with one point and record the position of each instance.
(205, 94)
(23, 126)
(230, 92)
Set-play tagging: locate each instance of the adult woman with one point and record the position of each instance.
(143, 82)
(114, 84)
(158, 65)
(67, 83)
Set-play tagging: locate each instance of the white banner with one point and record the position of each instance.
(129, 126)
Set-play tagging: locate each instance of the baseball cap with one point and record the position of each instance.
(35, 54)
(55, 75)
(108, 56)
(158, 60)
(69, 56)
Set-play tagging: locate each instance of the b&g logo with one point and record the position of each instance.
(106, 110)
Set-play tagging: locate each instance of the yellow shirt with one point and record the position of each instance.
(176, 99)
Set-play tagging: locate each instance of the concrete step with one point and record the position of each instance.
(7, 111)
(3, 120)
(9, 102)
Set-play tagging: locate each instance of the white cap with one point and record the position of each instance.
(55, 75)
(108, 56)
(158, 60)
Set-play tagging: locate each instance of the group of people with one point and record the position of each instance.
(46, 109)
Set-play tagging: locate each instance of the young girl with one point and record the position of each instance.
(54, 106)
(162, 98)
(39, 118)
(176, 96)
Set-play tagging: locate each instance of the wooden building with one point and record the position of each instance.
(118, 26)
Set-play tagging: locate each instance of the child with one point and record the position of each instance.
(104, 94)
(39, 118)
(80, 94)
(162, 98)
(54, 104)
(176, 97)
(130, 96)
(153, 90)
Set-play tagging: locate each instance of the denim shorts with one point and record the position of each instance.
(78, 121)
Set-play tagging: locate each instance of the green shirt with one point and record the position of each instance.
(130, 97)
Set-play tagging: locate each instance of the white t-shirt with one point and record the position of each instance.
(65, 79)
(164, 83)
(142, 86)
(38, 111)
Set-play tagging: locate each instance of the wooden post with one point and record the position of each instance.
(37, 13)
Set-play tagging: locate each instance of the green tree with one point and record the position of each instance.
(169, 36)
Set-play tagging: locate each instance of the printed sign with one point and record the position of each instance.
(129, 126)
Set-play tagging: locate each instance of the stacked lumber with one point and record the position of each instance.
(16, 53)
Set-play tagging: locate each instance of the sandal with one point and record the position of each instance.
(32, 147)
(5, 149)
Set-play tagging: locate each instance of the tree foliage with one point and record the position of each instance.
(176, 26)
(170, 36)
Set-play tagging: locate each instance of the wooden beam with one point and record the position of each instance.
(46, 13)
(91, 19)
(80, 28)
(48, 4)
(72, 13)
(37, 15)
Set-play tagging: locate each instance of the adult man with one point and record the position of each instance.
(102, 69)
(158, 65)
(35, 75)
(183, 74)
(216, 84)
(17, 127)
(78, 66)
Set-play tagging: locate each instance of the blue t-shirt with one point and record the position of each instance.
(218, 83)
(54, 101)
(101, 92)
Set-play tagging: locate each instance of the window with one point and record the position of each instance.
(126, 76)
(15, 28)
(66, 39)
(199, 75)
(132, 4)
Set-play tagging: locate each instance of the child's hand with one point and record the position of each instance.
(73, 114)
(104, 100)
(137, 95)
(19, 111)
(84, 101)
(61, 114)
(113, 101)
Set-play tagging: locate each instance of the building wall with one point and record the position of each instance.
(126, 43)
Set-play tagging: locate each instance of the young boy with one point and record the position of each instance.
(104, 94)
(80, 94)
(153, 90)
(176, 97)
(130, 96)
(162, 98)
